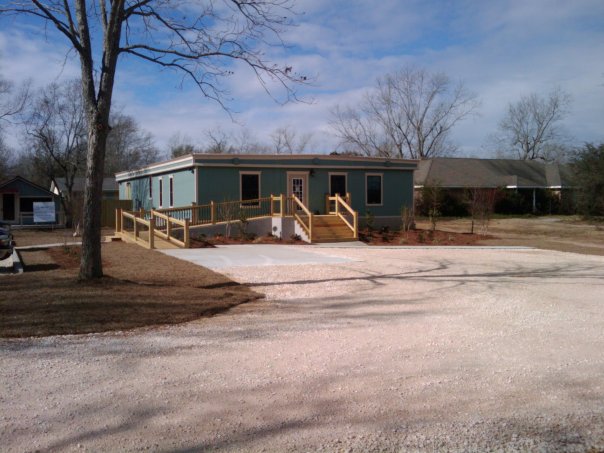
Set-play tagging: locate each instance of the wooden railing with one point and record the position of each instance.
(228, 211)
(342, 208)
(133, 224)
(330, 202)
(305, 219)
(173, 224)
(169, 228)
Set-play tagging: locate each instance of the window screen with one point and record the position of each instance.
(171, 192)
(374, 189)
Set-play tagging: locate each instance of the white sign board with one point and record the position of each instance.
(44, 212)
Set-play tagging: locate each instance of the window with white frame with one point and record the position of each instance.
(249, 187)
(128, 193)
(374, 189)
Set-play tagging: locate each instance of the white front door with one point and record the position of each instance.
(297, 184)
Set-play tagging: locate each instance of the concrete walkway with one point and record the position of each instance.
(226, 256)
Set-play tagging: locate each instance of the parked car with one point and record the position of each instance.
(6, 242)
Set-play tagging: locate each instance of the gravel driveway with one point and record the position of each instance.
(463, 350)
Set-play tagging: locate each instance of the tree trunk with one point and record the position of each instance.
(91, 265)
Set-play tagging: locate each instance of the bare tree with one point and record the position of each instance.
(197, 39)
(242, 141)
(12, 99)
(530, 129)
(481, 204)
(409, 114)
(128, 146)
(55, 127)
(219, 142)
(180, 144)
(12, 102)
(287, 141)
(5, 158)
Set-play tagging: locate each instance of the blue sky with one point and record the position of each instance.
(500, 49)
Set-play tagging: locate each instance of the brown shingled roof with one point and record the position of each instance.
(490, 173)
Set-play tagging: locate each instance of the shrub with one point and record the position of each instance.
(369, 221)
(406, 219)
(588, 168)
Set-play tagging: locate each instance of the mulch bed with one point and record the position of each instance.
(140, 288)
(198, 242)
(419, 237)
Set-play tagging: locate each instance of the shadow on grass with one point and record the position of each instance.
(63, 305)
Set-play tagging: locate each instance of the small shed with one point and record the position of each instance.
(23, 202)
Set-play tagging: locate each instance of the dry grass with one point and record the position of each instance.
(141, 288)
(561, 233)
(26, 237)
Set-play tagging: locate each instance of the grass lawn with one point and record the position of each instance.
(140, 288)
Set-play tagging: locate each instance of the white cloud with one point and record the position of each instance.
(502, 50)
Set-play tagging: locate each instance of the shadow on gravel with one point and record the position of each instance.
(563, 270)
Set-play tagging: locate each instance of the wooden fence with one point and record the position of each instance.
(108, 208)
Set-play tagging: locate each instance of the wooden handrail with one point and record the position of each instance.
(355, 216)
(308, 227)
(137, 218)
(185, 224)
(162, 222)
(329, 199)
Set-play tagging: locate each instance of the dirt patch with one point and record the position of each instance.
(140, 288)
(420, 237)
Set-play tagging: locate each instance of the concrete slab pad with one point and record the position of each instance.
(253, 255)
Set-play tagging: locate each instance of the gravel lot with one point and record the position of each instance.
(453, 350)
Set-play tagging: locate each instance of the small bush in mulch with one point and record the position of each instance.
(419, 237)
(203, 242)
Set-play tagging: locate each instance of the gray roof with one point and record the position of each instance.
(109, 184)
(470, 172)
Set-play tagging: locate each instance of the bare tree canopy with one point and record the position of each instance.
(242, 141)
(286, 140)
(128, 146)
(202, 40)
(12, 102)
(55, 127)
(5, 158)
(409, 114)
(180, 144)
(530, 129)
(12, 99)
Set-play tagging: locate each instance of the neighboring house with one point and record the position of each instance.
(110, 188)
(377, 185)
(528, 186)
(19, 204)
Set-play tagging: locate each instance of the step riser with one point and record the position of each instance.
(331, 229)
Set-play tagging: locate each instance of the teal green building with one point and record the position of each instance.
(381, 186)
